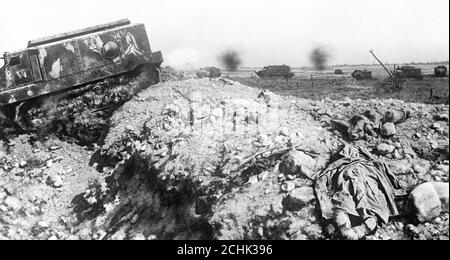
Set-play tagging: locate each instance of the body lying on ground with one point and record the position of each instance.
(371, 123)
(356, 192)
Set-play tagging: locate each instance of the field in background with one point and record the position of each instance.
(377, 70)
(318, 85)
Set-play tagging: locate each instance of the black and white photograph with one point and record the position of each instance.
(224, 120)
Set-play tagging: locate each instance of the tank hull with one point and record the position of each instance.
(31, 91)
(57, 66)
(440, 71)
(409, 72)
(208, 72)
(362, 74)
(276, 71)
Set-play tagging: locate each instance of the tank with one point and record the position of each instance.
(338, 72)
(409, 72)
(362, 74)
(208, 72)
(440, 71)
(276, 71)
(63, 62)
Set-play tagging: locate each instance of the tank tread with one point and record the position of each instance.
(84, 113)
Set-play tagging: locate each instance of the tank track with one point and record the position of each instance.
(84, 113)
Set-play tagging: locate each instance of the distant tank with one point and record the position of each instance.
(362, 74)
(440, 71)
(63, 62)
(409, 72)
(338, 72)
(208, 72)
(276, 71)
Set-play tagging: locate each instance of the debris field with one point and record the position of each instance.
(213, 158)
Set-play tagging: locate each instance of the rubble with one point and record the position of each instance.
(429, 200)
(437, 127)
(31, 209)
(288, 186)
(208, 159)
(228, 150)
(12, 203)
(298, 198)
(55, 181)
(385, 149)
(388, 129)
(298, 163)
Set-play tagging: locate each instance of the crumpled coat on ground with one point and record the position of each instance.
(357, 184)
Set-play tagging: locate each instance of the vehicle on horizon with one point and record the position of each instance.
(440, 71)
(208, 72)
(408, 72)
(275, 71)
(338, 72)
(362, 74)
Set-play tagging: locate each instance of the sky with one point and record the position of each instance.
(263, 31)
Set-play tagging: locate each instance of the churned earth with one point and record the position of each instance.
(208, 159)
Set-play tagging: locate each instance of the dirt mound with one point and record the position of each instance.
(217, 159)
(185, 155)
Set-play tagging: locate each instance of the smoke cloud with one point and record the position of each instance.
(319, 58)
(230, 59)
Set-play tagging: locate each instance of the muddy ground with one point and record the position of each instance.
(203, 159)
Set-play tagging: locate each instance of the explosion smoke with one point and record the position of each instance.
(319, 57)
(230, 59)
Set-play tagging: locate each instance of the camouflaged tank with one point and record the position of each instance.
(64, 62)
(275, 71)
(408, 72)
(208, 72)
(362, 74)
(440, 71)
(338, 72)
